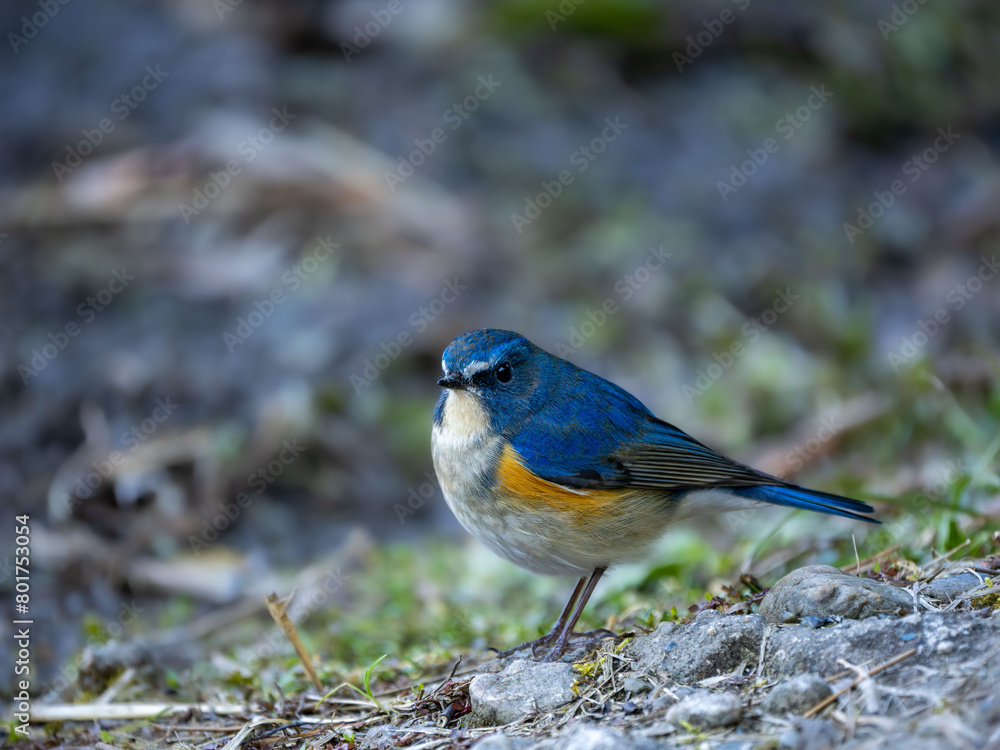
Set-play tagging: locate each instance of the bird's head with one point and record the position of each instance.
(501, 371)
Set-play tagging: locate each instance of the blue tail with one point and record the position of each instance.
(793, 496)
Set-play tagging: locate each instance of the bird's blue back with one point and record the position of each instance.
(576, 432)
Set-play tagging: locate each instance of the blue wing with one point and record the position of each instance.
(609, 440)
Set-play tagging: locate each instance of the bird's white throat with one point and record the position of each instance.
(463, 419)
(464, 451)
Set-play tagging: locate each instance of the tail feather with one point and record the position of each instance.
(793, 496)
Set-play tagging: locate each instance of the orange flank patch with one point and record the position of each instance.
(528, 492)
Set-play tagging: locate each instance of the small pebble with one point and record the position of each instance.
(635, 685)
(705, 710)
(796, 695)
(821, 591)
(522, 689)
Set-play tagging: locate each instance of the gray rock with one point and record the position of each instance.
(524, 687)
(663, 701)
(705, 710)
(793, 650)
(821, 591)
(635, 685)
(989, 710)
(796, 695)
(946, 589)
(381, 736)
(660, 703)
(590, 737)
(952, 659)
(712, 644)
(501, 741)
(812, 734)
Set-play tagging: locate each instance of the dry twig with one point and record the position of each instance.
(278, 610)
(827, 701)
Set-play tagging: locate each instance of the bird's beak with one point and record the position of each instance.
(452, 381)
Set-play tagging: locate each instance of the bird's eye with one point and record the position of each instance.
(504, 372)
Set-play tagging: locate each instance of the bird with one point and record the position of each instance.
(564, 473)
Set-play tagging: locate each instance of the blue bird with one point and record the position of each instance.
(564, 473)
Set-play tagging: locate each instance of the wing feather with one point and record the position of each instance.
(667, 458)
(663, 458)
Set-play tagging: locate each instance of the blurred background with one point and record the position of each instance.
(237, 235)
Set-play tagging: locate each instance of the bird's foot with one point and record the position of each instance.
(530, 645)
(559, 644)
(588, 640)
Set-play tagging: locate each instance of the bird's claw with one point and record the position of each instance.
(588, 639)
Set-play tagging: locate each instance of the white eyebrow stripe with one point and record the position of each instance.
(473, 367)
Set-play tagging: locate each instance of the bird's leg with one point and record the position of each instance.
(567, 631)
(556, 629)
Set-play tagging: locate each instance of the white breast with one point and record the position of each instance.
(462, 447)
(464, 455)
